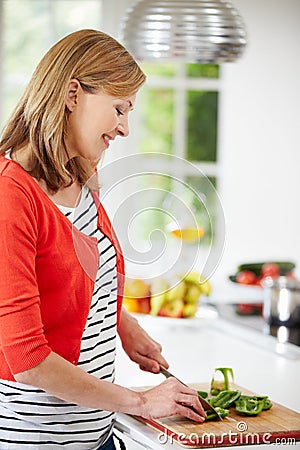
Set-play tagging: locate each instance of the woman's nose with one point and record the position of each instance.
(123, 128)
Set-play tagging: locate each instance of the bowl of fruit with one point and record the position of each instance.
(177, 298)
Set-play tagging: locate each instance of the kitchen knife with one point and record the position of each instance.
(206, 405)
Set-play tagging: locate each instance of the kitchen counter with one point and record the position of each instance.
(260, 364)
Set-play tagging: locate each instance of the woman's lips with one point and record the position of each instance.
(106, 139)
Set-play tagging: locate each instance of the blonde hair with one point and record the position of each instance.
(39, 121)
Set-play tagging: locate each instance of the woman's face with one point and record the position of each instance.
(94, 120)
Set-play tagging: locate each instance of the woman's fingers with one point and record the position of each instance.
(151, 362)
(191, 400)
(170, 398)
(190, 413)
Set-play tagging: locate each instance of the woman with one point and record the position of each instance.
(62, 270)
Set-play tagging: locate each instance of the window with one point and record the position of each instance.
(179, 117)
(171, 202)
(29, 28)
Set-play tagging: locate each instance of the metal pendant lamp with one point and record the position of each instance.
(194, 31)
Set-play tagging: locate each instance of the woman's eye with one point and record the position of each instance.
(119, 112)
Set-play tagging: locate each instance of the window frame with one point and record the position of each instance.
(181, 83)
(52, 35)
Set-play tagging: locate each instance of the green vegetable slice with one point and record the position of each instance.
(203, 394)
(252, 405)
(210, 415)
(267, 402)
(217, 386)
(225, 399)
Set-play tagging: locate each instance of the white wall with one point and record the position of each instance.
(260, 138)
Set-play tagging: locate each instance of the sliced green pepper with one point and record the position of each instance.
(267, 404)
(210, 415)
(217, 386)
(251, 405)
(225, 399)
(266, 400)
(203, 394)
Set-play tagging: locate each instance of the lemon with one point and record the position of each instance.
(188, 234)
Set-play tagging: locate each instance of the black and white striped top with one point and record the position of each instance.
(32, 419)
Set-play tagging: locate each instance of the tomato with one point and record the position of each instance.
(291, 275)
(246, 277)
(249, 309)
(244, 309)
(270, 270)
(258, 281)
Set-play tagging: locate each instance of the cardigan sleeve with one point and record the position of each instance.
(22, 339)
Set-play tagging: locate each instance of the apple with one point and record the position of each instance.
(176, 291)
(193, 293)
(198, 280)
(172, 309)
(144, 305)
(136, 296)
(159, 287)
(190, 309)
(136, 288)
(156, 303)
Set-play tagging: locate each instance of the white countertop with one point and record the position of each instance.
(193, 353)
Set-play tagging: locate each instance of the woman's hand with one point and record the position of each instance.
(170, 398)
(139, 346)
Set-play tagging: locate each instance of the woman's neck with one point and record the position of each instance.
(68, 196)
(23, 157)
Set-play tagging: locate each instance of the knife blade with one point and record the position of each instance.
(206, 405)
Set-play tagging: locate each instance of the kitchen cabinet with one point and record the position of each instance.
(260, 364)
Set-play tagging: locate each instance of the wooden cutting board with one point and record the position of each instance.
(276, 425)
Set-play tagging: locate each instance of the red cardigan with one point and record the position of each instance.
(47, 274)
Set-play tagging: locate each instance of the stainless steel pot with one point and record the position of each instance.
(281, 308)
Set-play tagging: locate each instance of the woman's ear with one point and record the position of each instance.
(72, 94)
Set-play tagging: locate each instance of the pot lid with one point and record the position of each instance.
(282, 282)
